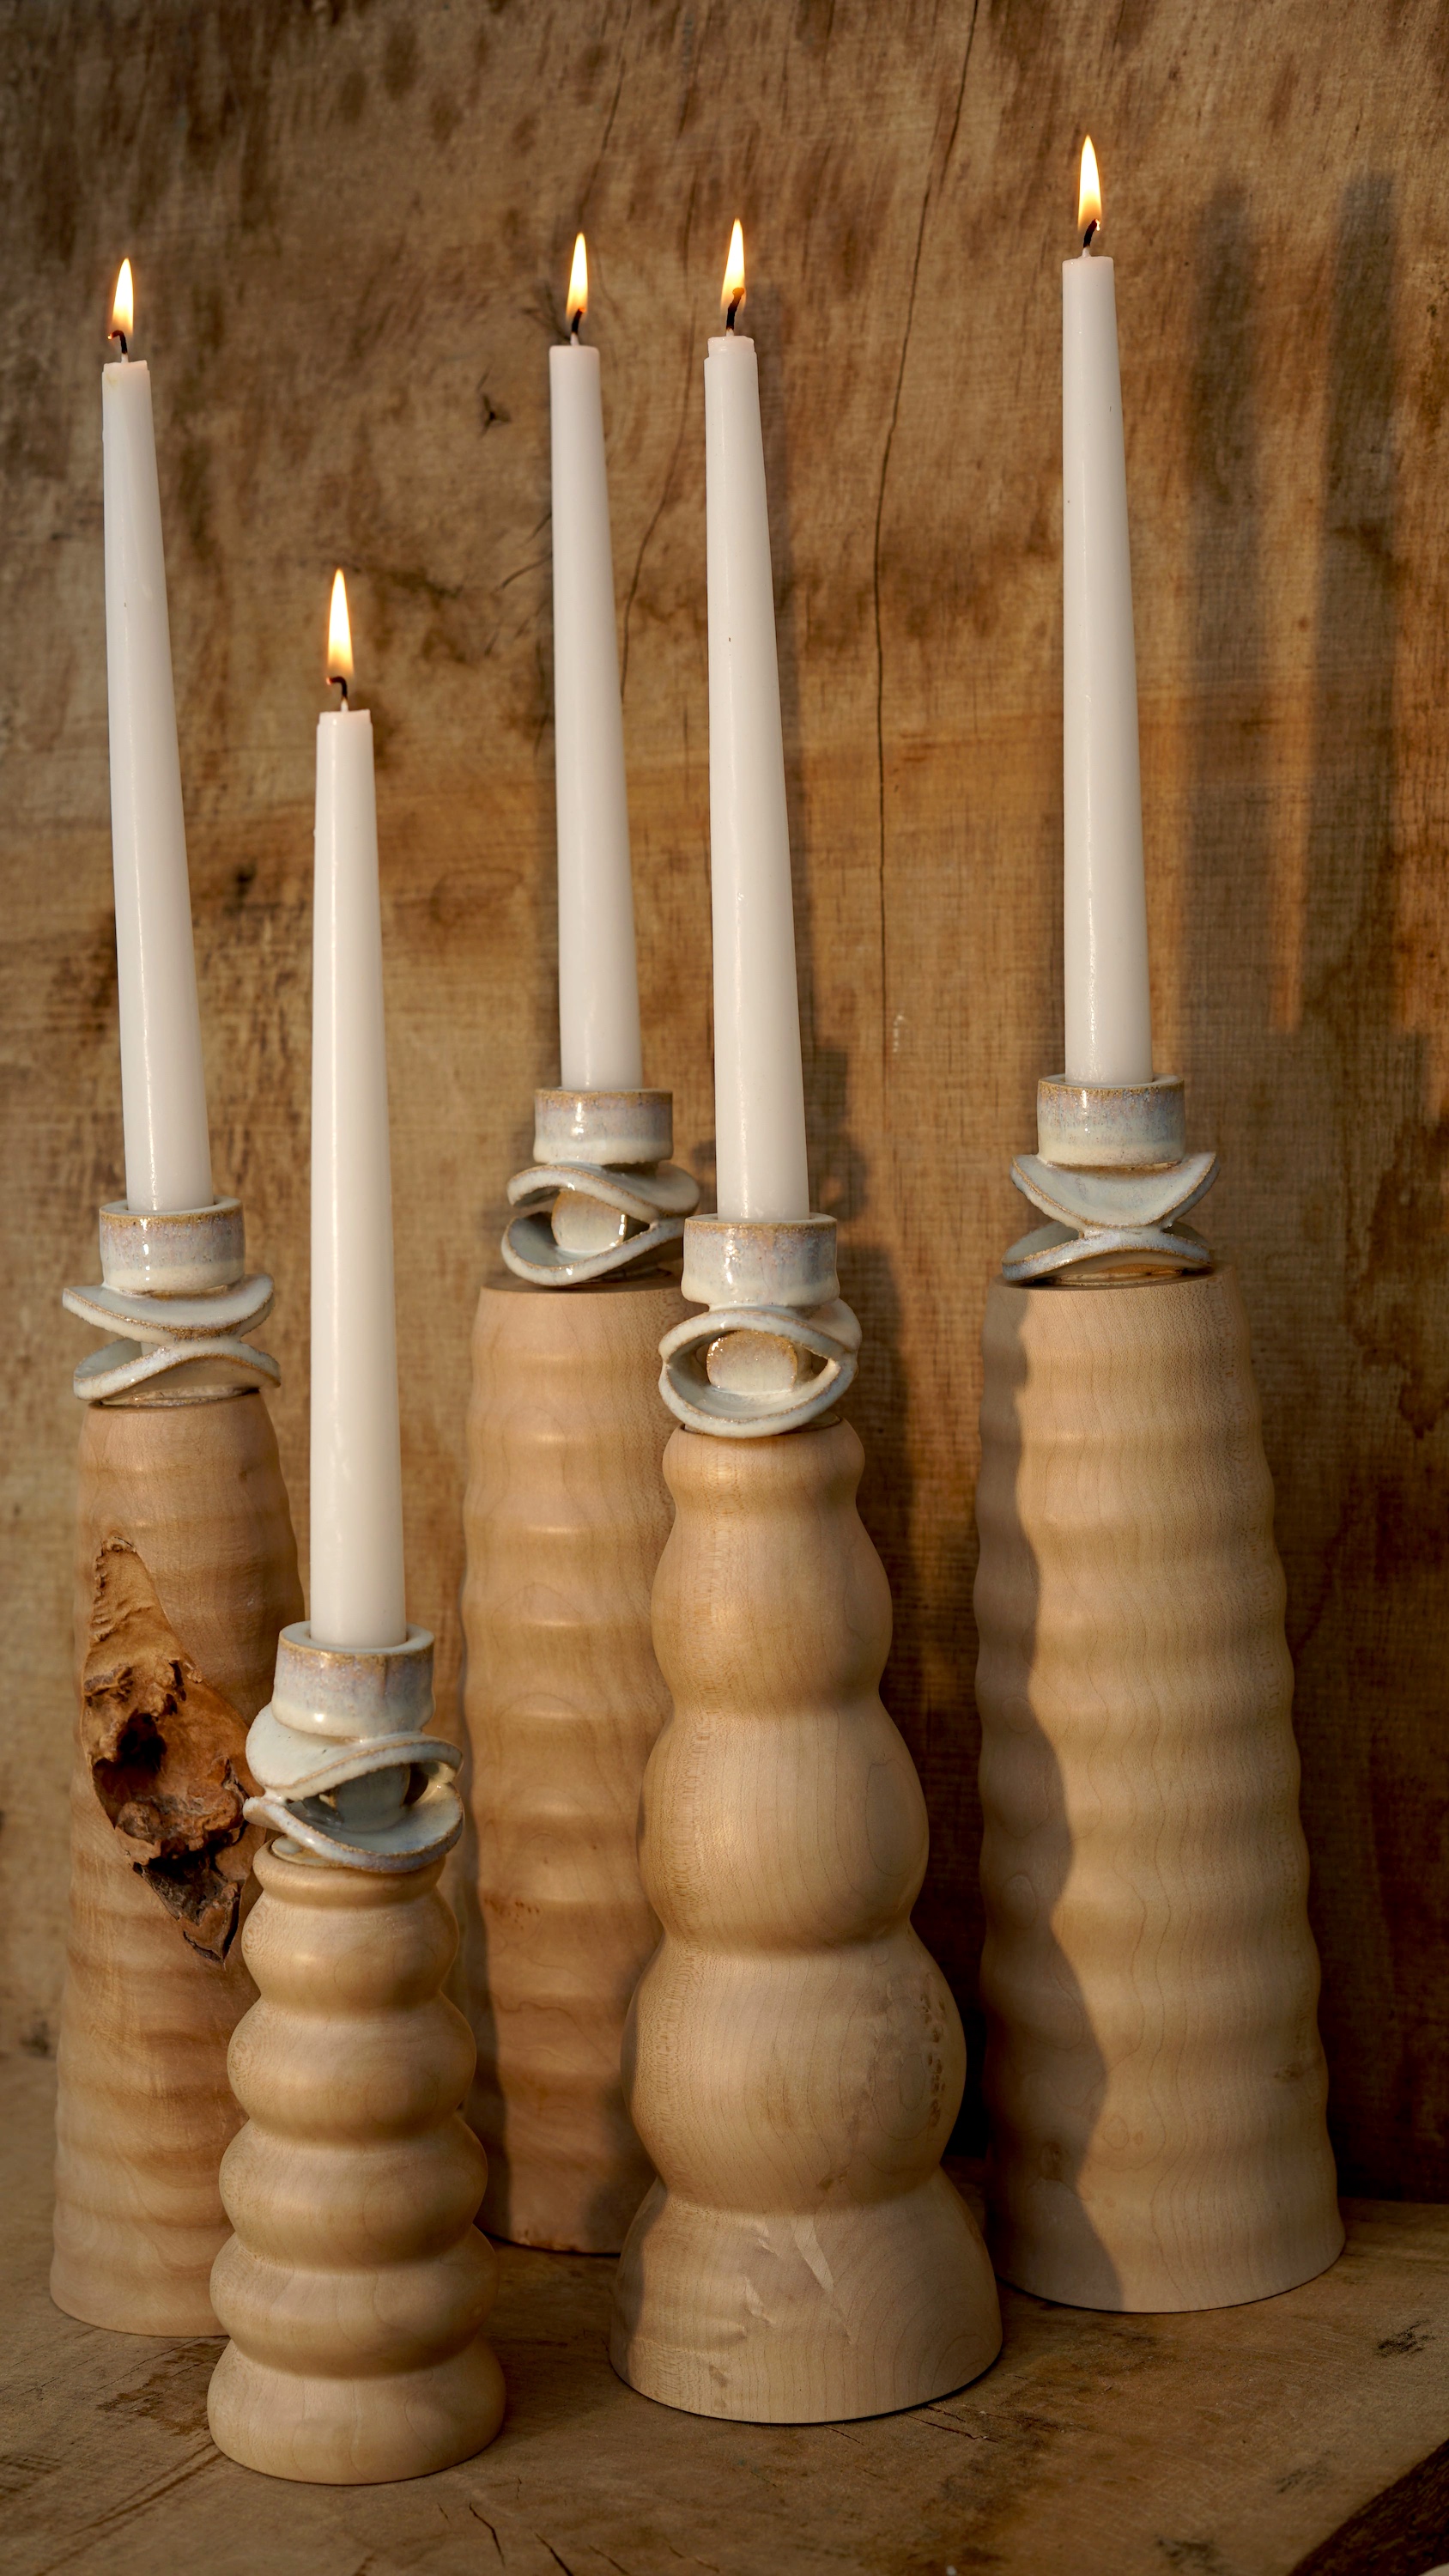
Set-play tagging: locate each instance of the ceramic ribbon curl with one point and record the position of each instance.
(601, 1196)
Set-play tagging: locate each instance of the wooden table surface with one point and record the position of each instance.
(1306, 2433)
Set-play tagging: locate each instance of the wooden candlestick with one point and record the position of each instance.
(1153, 2069)
(356, 2286)
(185, 1569)
(796, 2060)
(564, 1517)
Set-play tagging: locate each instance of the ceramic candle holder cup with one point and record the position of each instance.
(601, 1196)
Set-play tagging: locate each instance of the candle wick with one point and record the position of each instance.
(120, 335)
(335, 680)
(574, 326)
(734, 306)
(1087, 236)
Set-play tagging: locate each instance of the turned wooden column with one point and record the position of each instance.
(185, 1570)
(356, 2287)
(1154, 2076)
(565, 1516)
(796, 2060)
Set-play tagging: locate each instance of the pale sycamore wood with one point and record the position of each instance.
(1153, 2070)
(356, 2286)
(565, 1516)
(144, 2108)
(1097, 2446)
(1276, 200)
(795, 2060)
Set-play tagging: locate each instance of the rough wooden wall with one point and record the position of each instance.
(350, 225)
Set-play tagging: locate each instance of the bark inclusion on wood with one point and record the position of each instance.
(166, 1754)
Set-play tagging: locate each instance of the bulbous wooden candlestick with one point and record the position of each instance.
(185, 1569)
(356, 2287)
(564, 1518)
(797, 2060)
(1153, 2069)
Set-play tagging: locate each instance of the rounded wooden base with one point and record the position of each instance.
(805, 2317)
(356, 2286)
(796, 2059)
(564, 1518)
(144, 2109)
(1153, 2070)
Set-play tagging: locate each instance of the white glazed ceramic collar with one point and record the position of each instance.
(610, 1149)
(176, 1281)
(1114, 1179)
(775, 1279)
(341, 1714)
(634, 1128)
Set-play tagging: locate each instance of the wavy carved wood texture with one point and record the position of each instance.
(565, 1516)
(1277, 212)
(1154, 2078)
(356, 2287)
(794, 2059)
(144, 2109)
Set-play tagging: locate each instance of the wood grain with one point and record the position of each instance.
(1271, 2428)
(905, 176)
(144, 2108)
(794, 2060)
(356, 2286)
(564, 1515)
(1154, 2077)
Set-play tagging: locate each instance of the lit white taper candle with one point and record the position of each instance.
(357, 1594)
(1104, 942)
(759, 1091)
(163, 1085)
(598, 985)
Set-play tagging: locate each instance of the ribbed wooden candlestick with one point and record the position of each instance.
(797, 2058)
(356, 2286)
(144, 2108)
(565, 1516)
(1153, 2069)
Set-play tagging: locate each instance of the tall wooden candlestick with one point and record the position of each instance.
(565, 1516)
(796, 2060)
(185, 1570)
(1153, 2070)
(1162, 2143)
(565, 1511)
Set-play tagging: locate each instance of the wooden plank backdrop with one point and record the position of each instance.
(351, 226)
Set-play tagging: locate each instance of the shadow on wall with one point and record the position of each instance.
(1334, 1170)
